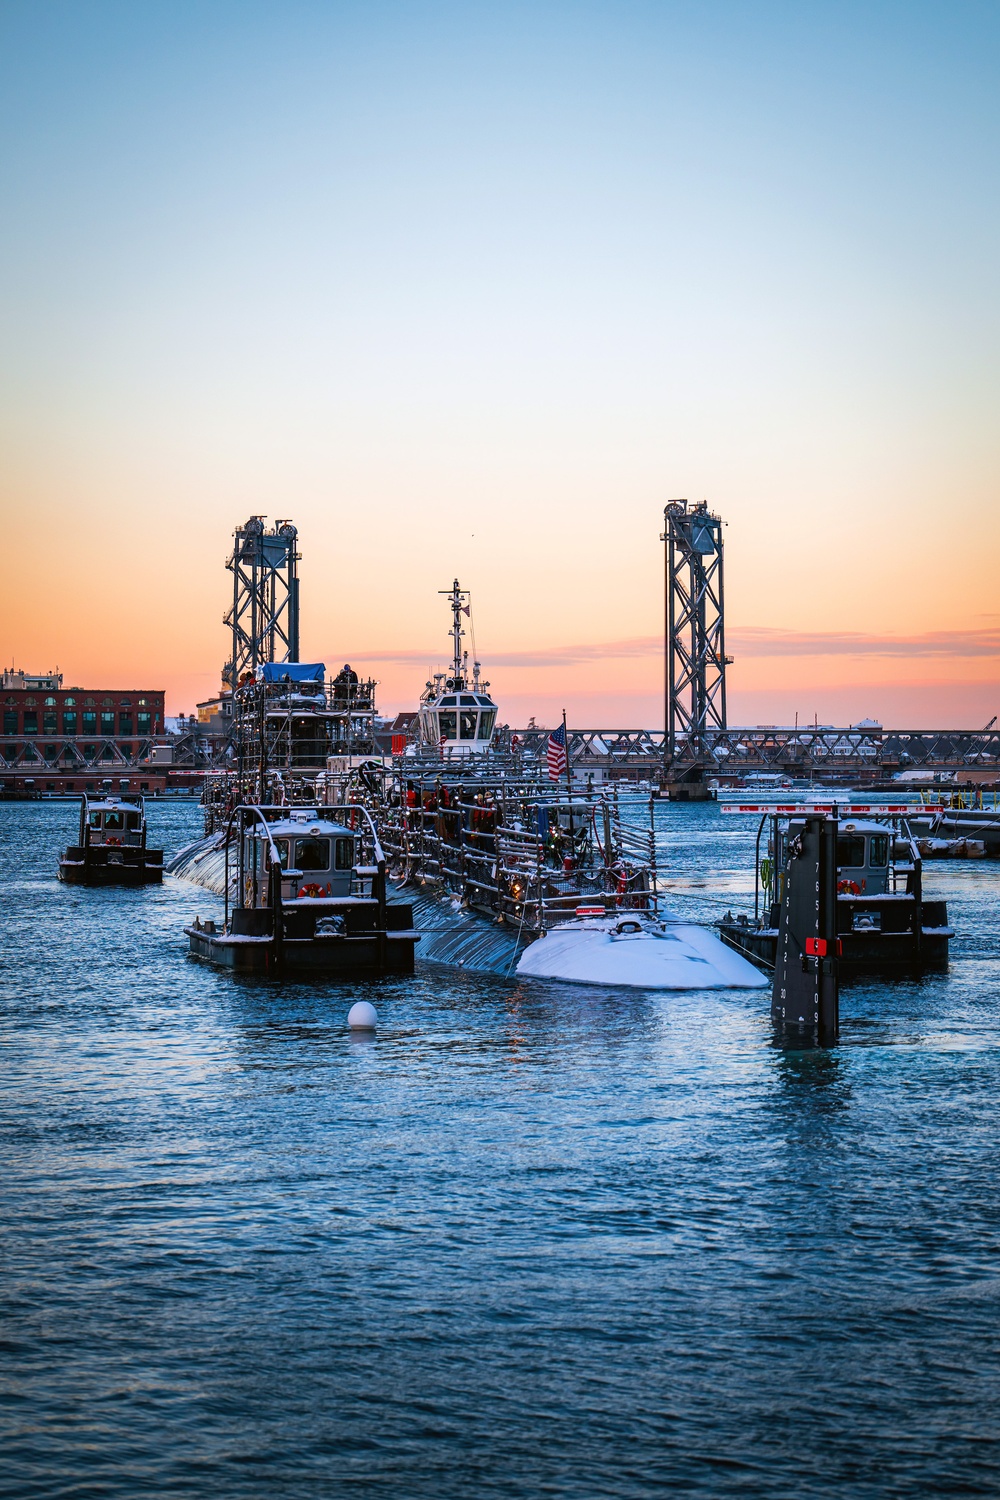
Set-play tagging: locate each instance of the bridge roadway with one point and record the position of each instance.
(796, 751)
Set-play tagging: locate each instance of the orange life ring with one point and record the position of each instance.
(848, 888)
(311, 890)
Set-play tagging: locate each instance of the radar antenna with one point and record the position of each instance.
(458, 597)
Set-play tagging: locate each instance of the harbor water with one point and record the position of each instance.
(527, 1240)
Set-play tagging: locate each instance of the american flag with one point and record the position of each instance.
(557, 753)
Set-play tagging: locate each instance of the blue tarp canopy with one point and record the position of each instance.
(292, 671)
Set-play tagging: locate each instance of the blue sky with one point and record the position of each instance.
(476, 289)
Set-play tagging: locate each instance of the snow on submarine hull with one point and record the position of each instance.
(638, 953)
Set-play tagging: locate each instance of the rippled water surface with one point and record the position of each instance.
(531, 1240)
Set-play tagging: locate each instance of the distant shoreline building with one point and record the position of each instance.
(75, 739)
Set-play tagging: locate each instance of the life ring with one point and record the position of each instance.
(848, 888)
(116, 842)
(311, 890)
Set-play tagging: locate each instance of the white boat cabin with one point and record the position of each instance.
(317, 857)
(864, 851)
(112, 822)
(457, 716)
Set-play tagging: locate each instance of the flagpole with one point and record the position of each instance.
(569, 777)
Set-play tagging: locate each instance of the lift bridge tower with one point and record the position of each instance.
(264, 616)
(696, 660)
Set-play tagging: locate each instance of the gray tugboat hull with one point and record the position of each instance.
(893, 948)
(343, 957)
(99, 866)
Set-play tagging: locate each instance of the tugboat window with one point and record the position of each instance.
(486, 726)
(95, 820)
(468, 725)
(344, 854)
(879, 851)
(850, 852)
(114, 820)
(282, 847)
(447, 723)
(312, 854)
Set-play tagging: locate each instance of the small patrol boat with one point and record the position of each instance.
(112, 848)
(885, 926)
(305, 892)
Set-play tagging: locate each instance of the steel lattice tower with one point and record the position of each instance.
(264, 616)
(695, 635)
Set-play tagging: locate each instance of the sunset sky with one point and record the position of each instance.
(473, 289)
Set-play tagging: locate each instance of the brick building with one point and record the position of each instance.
(72, 739)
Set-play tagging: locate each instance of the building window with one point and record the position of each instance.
(143, 702)
(69, 722)
(9, 752)
(88, 703)
(10, 721)
(107, 703)
(69, 703)
(144, 722)
(50, 751)
(125, 703)
(70, 787)
(10, 701)
(89, 722)
(31, 702)
(107, 723)
(126, 749)
(144, 786)
(124, 723)
(30, 721)
(50, 722)
(89, 751)
(50, 703)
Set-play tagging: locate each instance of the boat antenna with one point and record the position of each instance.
(458, 608)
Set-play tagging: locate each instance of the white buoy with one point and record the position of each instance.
(362, 1016)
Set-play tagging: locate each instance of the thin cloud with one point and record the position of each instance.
(743, 642)
(764, 641)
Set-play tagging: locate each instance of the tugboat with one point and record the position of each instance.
(112, 846)
(457, 716)
(884, 924)
(305, 892)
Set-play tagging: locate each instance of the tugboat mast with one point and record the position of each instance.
(457, 597)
